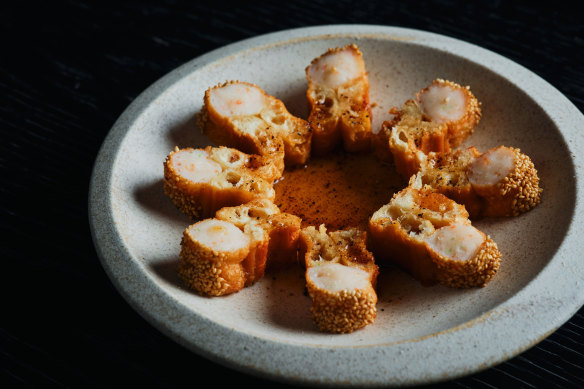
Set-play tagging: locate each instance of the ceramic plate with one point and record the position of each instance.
(421, 334)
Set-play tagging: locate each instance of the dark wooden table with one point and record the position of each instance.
(69, 69)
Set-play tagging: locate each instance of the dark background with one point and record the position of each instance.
(69, 69)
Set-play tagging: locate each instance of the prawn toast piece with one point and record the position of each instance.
(241, 115)
(201, 181)
(338, 95)
(439, 118)
(507, 180)
(447, 102)
(341, 276)
(222, 255)
(500, 182)
(283, 228)
(218, 258)
(431, 237)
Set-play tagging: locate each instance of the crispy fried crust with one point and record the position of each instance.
(397, 232)
(273, 132)
(342, 114)
(408, 139)
(349, 309)
(446, 173)
(243, 178)
(273, 237)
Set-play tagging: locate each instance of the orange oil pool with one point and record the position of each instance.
(340, 190)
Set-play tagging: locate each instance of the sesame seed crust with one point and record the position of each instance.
(344, 311)
(517, 193)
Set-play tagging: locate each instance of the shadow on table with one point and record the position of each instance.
(151, 196)
(187, 134)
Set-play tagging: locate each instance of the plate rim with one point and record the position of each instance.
(111, 249)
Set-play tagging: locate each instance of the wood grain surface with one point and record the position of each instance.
(69, 69)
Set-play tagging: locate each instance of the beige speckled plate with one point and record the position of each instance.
(422, 334)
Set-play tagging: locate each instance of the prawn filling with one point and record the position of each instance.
(195, 165)
(218, 235)
(491, 167)
(336, 68)
(237, 100)
(442, 103)
(458, 241)
(335, 277)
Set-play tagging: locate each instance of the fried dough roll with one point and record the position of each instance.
(431, 237)
(439, 118)
(222, 255)
(201, 181)
(283, 228)
(338, 95)
(218, 258)
(341, 276)
(241, 115)
(500, 182)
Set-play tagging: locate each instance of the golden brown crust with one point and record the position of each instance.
(243, 178)
(210, 278)
(349, 309)
(284, 235)
(397, 231)
(341, 114)
(344, 311)
(275, 132)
